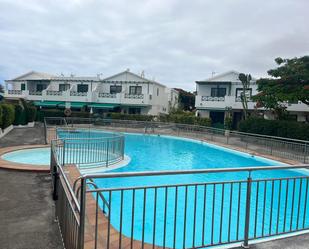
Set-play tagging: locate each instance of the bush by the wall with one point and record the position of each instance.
(280, 128)
(30, 113)
(59, 113)
(8, 115)
(182, 118)
(1, 116)
(20, 115)
(185, 118)
(122, 116)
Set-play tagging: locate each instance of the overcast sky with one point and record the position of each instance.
(174, 41)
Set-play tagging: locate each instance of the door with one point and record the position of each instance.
(217, 117)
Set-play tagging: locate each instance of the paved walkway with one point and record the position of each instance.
(23, 136)
(26, 206)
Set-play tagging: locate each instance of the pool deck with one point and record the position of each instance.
(26, 206)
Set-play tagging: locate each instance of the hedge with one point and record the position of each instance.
(8, 115)
(20, 115)
(30, 113)
(122, 116)
(59, 113)
(1, 116)
(280, 128)
(183, 118)
(186, 119)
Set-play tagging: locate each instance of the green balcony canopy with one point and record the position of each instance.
(102, 106)
(48, 103)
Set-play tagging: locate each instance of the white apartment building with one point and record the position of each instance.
(124, 92)
(221, 93)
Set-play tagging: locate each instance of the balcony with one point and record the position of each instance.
(14, 92)
(35, 93)
(133, 96)
(210, 98)
(221, 103)
(74, 96)
(53, 93)
(78, 94)
(107, 95)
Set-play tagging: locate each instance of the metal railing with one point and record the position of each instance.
(292, 149)
(202, 214)
(86, 149)
(190, 215)
(67, 208)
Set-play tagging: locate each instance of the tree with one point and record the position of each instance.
(289, 82)
(186, 100)
(245, 81)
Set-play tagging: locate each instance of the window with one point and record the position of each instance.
(40, 87)
(115, 89)
(23, 87)
(64, 87)
(82, 88)
(239, 92)
(135, 90)
(157, 91)
(218, 92)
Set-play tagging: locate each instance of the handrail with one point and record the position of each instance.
(194, 171)
(188, 125)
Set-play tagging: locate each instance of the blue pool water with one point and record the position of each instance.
(212, 209)
(158, 153)
(38, 156)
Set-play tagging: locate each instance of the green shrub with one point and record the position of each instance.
(122, 116)
(228, 122)
(40, 114)
(30, 113)
(1, 116)
(280, 128)
(20, 115)
(182, 118)
(8, 115)
(185, 118)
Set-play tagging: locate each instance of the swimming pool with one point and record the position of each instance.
(37, 156)
(219, 208)
(154, 210)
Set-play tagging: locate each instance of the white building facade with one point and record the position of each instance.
(125, 92)
(221, 94)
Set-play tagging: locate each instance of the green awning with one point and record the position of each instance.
(48, 103)
(102, 106)
(75, 104)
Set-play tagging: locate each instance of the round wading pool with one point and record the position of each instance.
(37, 156)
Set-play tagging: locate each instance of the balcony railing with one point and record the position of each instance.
(53, 93)
(36, 93)
(107, 95)
(238, 99)
(210, 98)
(133, 96)
(73, 93)
(15, 92)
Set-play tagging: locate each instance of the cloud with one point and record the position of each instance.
(175, 41)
